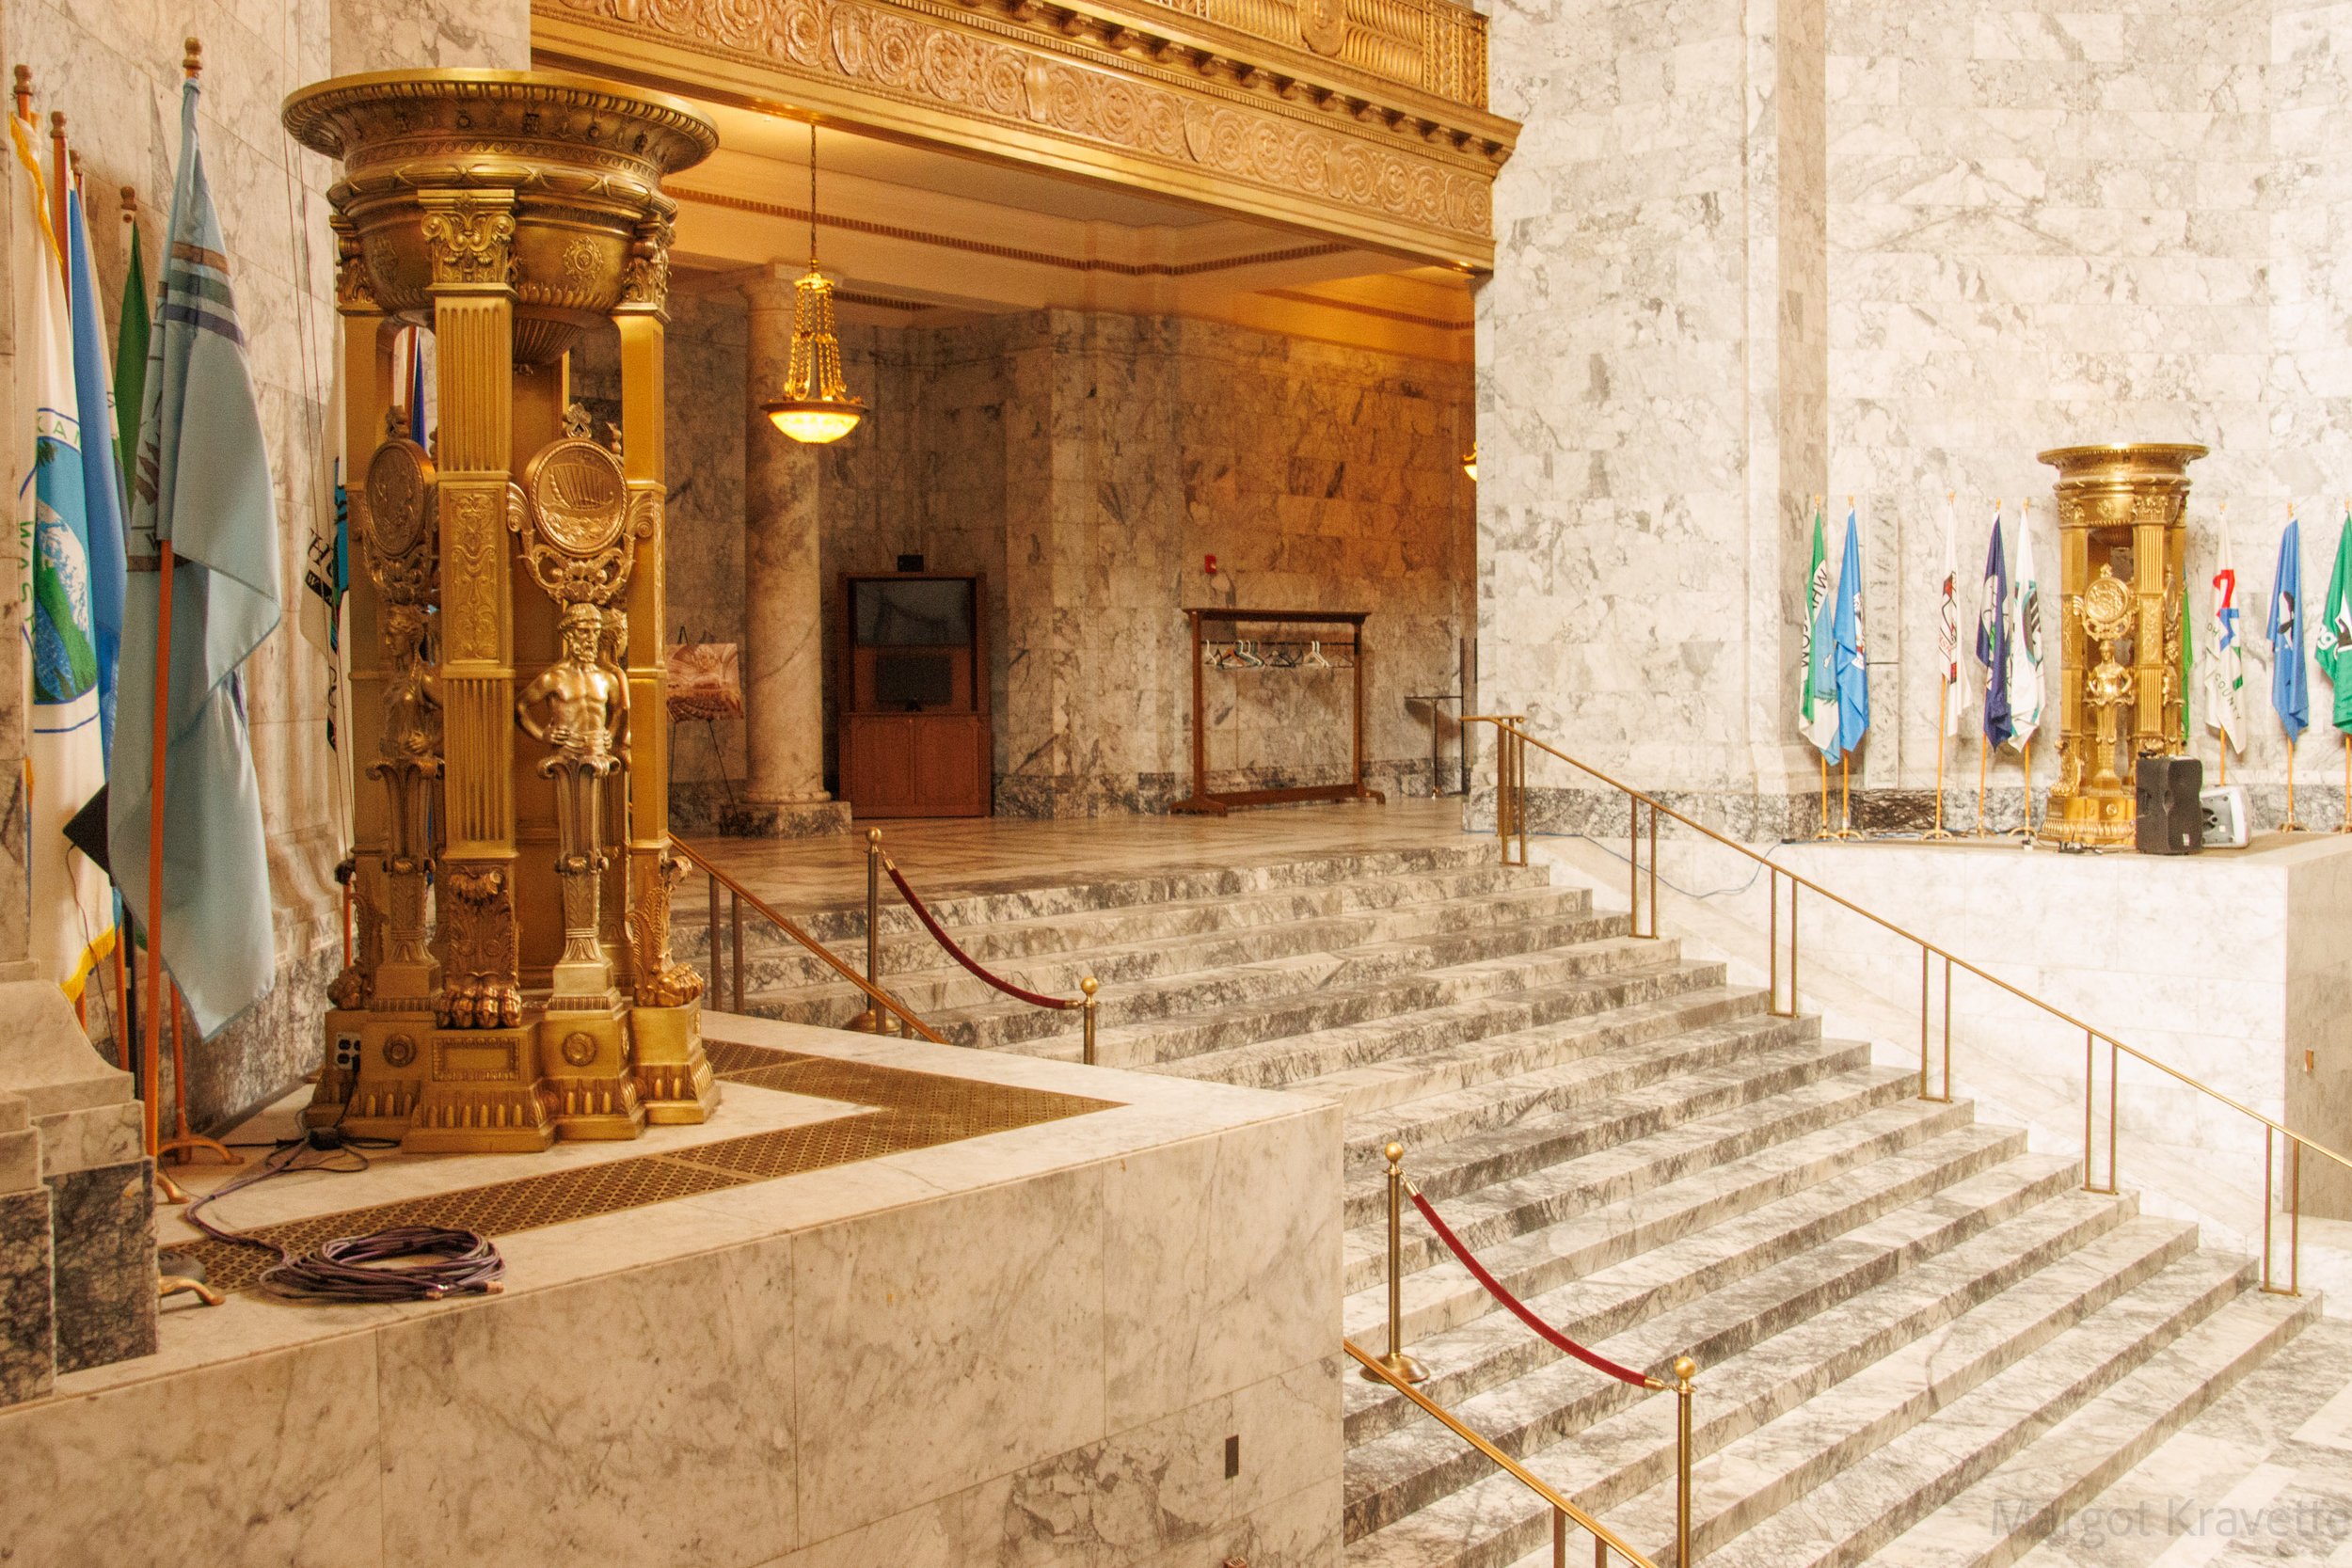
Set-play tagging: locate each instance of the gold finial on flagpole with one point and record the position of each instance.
(129, 204)
(24, 92)
(193, 61)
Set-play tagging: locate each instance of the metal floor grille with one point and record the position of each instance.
(907, 1111)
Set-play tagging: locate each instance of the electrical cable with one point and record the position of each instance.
(360, 1268)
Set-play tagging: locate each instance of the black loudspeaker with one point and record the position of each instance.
(2171, 819)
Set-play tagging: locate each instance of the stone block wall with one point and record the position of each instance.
(1086, 463)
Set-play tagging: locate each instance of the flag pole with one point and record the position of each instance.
(2345, 826)
(2290, 825)
(1844, 795)
(1943, 696)
(1980, 754)
(1823, 831)
(2026, 831)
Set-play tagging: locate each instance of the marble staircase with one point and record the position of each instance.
(1920, 1342)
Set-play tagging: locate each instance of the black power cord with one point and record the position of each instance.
(360, 1268)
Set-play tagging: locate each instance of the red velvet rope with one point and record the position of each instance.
(1545, 1331)
(940, 936)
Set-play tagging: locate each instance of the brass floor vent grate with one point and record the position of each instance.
(906, 1111)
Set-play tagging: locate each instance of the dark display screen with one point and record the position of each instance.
(918, 613)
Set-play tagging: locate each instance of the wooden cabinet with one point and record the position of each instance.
(915, 736)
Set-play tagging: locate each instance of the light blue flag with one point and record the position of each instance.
(202, 485)
(2290, 682)
(1854, 673)
(93, 381)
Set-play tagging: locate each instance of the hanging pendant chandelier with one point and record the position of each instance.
(816, 405)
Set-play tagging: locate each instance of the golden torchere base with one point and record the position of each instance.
(572, 1075)
(2095, 819)
(674, 1077)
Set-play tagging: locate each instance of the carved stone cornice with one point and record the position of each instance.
(1172, 99)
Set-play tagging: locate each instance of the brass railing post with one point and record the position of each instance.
(1089, 986)
(1397, 1362)
(870, 1022)
(1560, 1539)
(735, 945)
(1685, 1368)
(718, 975)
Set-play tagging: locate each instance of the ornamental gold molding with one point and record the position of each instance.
(1242, 105)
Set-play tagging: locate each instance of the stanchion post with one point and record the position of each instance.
(1685, 1368)
(1088, 987)
(871, 1021)
(1400, 1365)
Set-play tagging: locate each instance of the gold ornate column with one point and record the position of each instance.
(366, 349)
(510, 212)
(674, 1077)
(2121, 545)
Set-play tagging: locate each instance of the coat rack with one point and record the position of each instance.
(1349, 646)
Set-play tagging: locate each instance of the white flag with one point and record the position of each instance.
(2025, 642)
(65, 758)
(2225, 659)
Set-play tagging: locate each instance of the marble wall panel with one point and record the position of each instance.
(1891, 252)
(1012, 1278)
(103, 1221)
(667, 1440)
(28, 1346)
(238, 1462)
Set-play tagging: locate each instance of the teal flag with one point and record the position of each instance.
(131, 358)
(2331, 639)
(201, 485)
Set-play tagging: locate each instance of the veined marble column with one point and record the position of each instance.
(784, 658)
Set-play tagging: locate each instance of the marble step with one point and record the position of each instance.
(1900, 1275)
(1478, 1179)
(2037, 1489)
(1153, 979)
(1542, 1231)
(1281, 1040)
(1110, 944)
(1746, 1271)
(1481, 1085)
(978, 903)
(2149, 1358)
(1784, 1441)
(1620, 1053)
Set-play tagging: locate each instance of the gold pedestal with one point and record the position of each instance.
(2121, 543)
(511, 980)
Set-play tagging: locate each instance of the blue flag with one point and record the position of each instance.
(92, 385)
(2290, 682)
(1992, 640)
(1854, 673)
(201, 486)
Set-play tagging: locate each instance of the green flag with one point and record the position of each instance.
(1816, 701)
(2333, 639)
(130, 361)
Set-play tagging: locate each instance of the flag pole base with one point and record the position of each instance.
(188, 1145)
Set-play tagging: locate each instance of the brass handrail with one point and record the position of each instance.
(1604, 1539)
(1514, 739)
(790, 927)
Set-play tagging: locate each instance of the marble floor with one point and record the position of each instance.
(971, 854)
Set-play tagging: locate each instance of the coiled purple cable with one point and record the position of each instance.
(361, 1268)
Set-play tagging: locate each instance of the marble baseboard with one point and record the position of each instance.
(1759, 817)
(105, 1226)
(28, 1356)
(708, 809)
(1039, 797)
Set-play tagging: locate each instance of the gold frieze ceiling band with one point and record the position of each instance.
(1009, 253)
(1151, 97)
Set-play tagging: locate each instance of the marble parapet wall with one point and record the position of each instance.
(1035, 1346)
